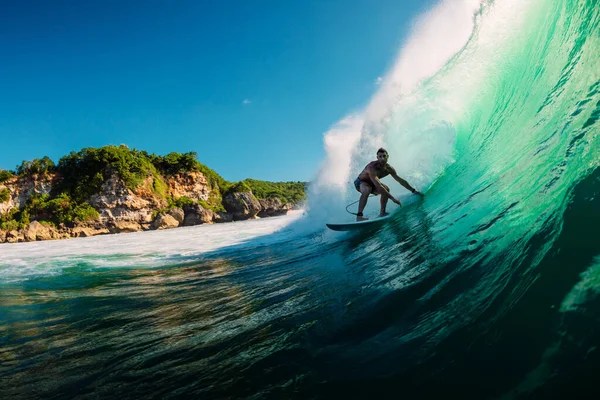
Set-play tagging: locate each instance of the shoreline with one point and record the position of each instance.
(115, 189)
(21, 235)
(146, 248)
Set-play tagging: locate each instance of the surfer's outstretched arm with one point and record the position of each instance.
(403, 182)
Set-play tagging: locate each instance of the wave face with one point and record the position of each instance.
(486, 288)
(504, 93)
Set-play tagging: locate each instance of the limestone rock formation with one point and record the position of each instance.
(124, 210)
(272, 208)
(37, 231)
(242, 205)
(165, 221)
(196, 214)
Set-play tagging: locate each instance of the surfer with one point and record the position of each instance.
(368, 182)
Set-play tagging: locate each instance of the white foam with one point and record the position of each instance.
(139, 249)
(436, 36)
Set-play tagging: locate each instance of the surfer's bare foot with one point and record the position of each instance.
(383, 214)
(361, 219)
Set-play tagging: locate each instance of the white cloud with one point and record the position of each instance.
(246, 101)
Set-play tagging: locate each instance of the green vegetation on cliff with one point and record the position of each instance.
(288, 192)
(4, 195)
(5, 175)
(236, 187)
(57, 210)
(36, 167)
(175, 163)
(82, 174)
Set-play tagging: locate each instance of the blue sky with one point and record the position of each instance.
(251, 86)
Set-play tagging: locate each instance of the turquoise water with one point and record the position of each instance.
(486, 288)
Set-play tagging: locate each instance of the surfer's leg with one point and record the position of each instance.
(365, 191)
(383, 201)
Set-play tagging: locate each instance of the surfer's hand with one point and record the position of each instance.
(395, 200)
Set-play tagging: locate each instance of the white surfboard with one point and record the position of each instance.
(356, 225)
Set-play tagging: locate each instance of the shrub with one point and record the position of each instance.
(85, 212)
(184, 201)
(57, 210)
(84, 172)
(10, 225)
(174, 163)
(35, 167)
(160, 187)
(237, 188)
(64, 210)
(287, 192)
(4, 195)
(213, 207)
(5, 175)
(11, 220)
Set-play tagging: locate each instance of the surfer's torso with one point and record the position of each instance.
(381, 171)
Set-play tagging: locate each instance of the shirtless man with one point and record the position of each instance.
(368, 182)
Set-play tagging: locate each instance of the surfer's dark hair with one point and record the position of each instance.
(382, 150)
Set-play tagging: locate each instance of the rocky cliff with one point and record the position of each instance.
(122, 209)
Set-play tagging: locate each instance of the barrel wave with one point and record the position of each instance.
(488, 287)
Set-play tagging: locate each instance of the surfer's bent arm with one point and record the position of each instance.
(380, 189)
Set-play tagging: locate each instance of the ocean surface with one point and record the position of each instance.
(487, 288)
